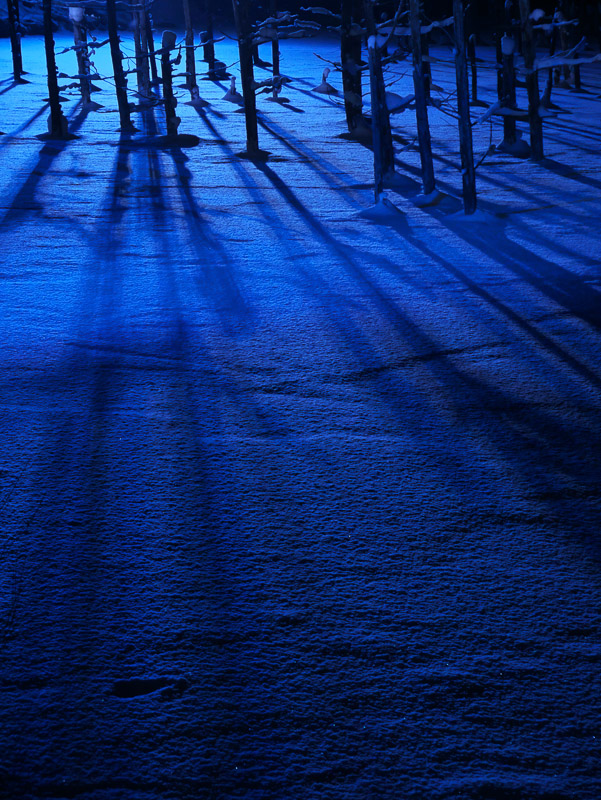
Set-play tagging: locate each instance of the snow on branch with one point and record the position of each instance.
(560, 61)
(386, 28)
(323, 11)
(301, 30)
(547, 26)
(88, 45)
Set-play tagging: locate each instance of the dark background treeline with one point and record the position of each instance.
(168, 12)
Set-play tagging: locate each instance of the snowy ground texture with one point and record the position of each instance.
(296, 504)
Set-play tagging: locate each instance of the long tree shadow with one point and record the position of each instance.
(465, 389)
(9, 137)
(223, 615)
(557, 283)
(213, 275)
(74, 558)
(24, 201)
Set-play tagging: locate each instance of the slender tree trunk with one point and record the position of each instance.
(275, 53)
(15, 38)
(191, 83)
(421, 102)
(350, 57)
(142, 67)
(427, 65)
(546, 98)
(149, 36)
(245, 47)
(169, 99)
(471, 50)
(499, 30)
(575, 36)
(209, 48)
(118, 71)
(463, 103)
(509, 98)
(275, 45)
(536, 123)
(57, 124)
(507, 94)
(80, 38)
(380, 118)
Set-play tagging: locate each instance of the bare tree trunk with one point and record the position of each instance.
(15, 38)
(536, 123)
(80, 38)
(275, 56)
(275, 44)
(57, 123)
(191, 83)
(507, 84)
(421, 102)
(380, 117)
(169, 99)
(245, 47)
(499, 29)
(509, 99)
(209, 48)
(463, 103)
(350, 57)
(471, 51)
(427, 66)
(149, 36)
(119, 73)
(546, 98)
(142, 68)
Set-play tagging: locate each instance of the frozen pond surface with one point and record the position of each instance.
(294, 504)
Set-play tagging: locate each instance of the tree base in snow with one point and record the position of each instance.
(477, 218)
(393, 180)
(180, 140)
(428, 200)
(519, 148)
(56, 137)
(197, 102)
(360, 133)
(383, 212)
(256, 155)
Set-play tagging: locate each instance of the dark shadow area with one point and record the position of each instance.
(25, 198)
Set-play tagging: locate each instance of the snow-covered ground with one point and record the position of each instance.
(295, 503)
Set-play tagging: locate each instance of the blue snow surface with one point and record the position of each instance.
(297, 503)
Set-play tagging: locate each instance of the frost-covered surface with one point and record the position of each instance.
(297, 503)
